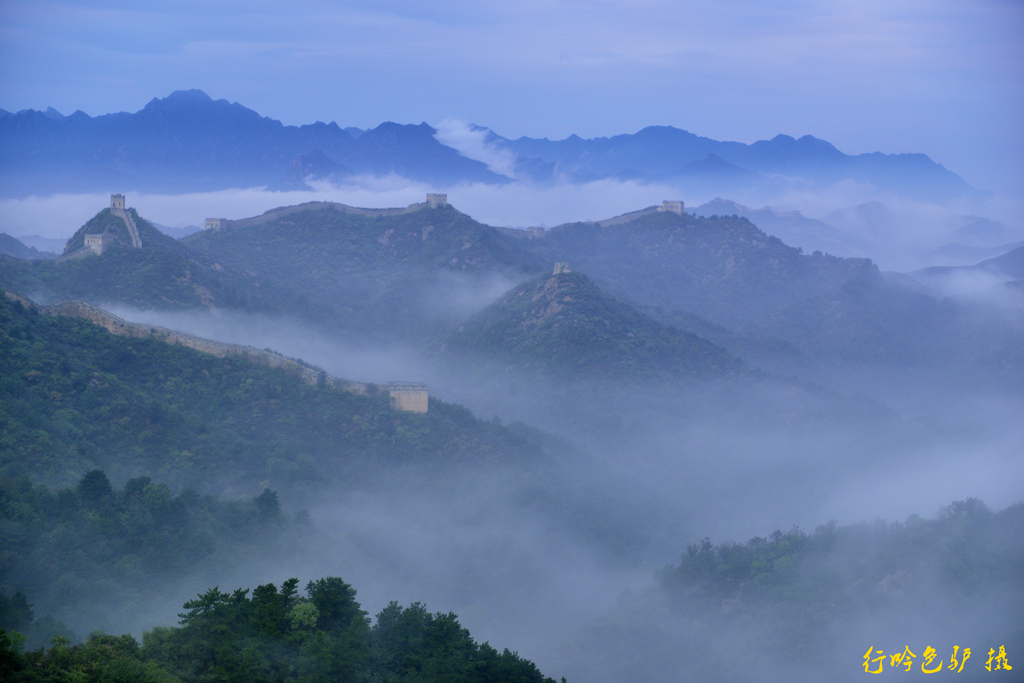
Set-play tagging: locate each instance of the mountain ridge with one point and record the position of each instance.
(189, 142)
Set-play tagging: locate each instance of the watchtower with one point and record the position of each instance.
(96, 242)
(409, 396)
(117, 202)
(215, 223)
(561, 267)
(435, 200)
(674, 207)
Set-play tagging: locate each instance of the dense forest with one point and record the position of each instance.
(74, 397)
(85, 554)
(278, 635)
(805, 606)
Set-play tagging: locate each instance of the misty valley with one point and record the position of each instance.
(336, 443)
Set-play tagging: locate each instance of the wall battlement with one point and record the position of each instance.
(413, 395)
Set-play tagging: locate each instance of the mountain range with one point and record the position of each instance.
(414, 275)
(188, 142)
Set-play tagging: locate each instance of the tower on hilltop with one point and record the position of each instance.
(434, 200)
(117, 202)
(674, 207)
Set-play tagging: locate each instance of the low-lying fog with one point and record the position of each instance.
(655, 471)
(647, 472)
(902, 235)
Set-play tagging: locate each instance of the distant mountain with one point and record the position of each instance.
(18, 249)
(984, 276)
(1009, 265)
(664, 151)
(189, 142)
(792, 227)
(564, 326)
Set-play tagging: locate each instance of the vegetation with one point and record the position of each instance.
(365, 272)
(163, 274)
(85, 553)
(805, 606)
(75, 398)
(276, 634)
(564, 326)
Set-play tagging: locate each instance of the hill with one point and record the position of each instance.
(76, 397)
(398, 272)
(792, 228)
(722, 268)
(564, 326)
(161, 274)
(792, 604)
(12, 246)
(727, 271)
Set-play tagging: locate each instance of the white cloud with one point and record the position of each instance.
(472, 142)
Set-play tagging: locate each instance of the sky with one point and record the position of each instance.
(941, 77)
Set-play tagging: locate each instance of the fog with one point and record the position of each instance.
(649, 470)
(904, 235)
(558, 560)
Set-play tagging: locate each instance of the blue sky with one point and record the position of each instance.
(938, 76)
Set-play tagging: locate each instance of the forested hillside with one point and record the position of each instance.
(279, 635)
(91, 556)
(75, 397)
(400, 275)
(805, 606)
(562, 326)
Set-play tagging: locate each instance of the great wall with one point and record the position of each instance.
(434, 200)
(406, 396)
(117, 208)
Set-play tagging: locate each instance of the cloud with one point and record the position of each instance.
(471, 141)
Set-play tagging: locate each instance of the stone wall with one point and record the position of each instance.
(115, 325)
(281, 212)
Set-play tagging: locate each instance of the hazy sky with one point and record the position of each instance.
(942, 77)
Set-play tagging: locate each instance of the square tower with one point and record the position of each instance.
(435, 200)
(674, 207)
(117, 202)
(409, 396)
(96, 242)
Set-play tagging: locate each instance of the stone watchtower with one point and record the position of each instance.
(215, 223)
(435, 200)
(117, 202)
(561, 267)
(674, 207)
(409, 396)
